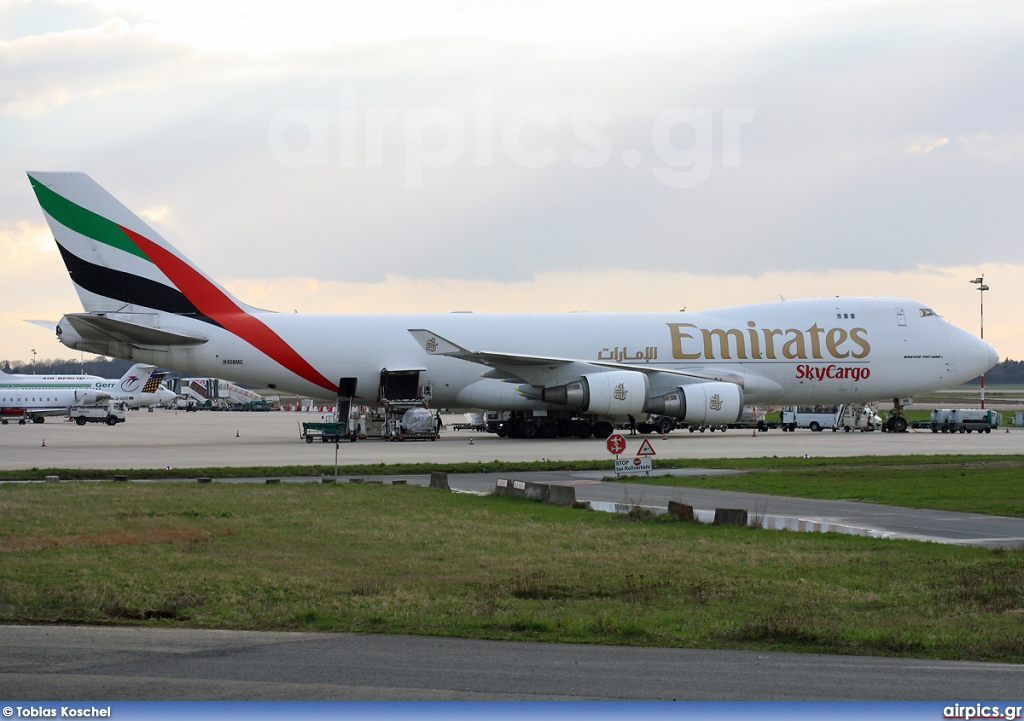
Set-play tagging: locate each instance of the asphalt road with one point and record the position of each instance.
(62, 663)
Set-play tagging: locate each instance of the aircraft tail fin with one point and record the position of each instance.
(117, 262)
(136, 378)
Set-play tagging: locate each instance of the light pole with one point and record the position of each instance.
(980, 282)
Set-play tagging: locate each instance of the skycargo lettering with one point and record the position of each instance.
(753, 343)
(832, 372)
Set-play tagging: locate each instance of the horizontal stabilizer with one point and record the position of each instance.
(101, 328)
(50, 325)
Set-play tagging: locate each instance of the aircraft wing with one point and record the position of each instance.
(534, 369)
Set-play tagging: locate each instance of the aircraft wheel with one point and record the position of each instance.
(691, 429)
(603, 429)
(565, 428)
(81, 420)
(900, 425)
(665, 424)
(549, 430)
(3, 422)
(528, 429)
(38, 419)
(583, 429)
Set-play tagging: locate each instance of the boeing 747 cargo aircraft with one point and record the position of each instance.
(558, 373)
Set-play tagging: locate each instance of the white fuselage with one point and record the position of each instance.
(794, 352)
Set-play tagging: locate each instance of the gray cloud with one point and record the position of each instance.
(880, 139)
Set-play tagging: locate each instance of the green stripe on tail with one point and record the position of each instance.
(84, 221)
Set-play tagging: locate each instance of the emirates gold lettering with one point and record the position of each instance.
(690, 342)
(723, 343)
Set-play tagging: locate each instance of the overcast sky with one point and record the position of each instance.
(529, 156)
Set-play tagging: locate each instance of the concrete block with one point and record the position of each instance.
(273, 481)
(439, 479)
(537, 491)
(329, 480)
(204, 479)
(562, 496)
(120, 477)
(399, 482)
(730, 517)
(52, 479)
(681, 510)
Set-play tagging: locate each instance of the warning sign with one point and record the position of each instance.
(646, 449)
(616, 444)
(633, 465)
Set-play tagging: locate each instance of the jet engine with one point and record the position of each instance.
(89, 398)
(706, 404)
(618, 393)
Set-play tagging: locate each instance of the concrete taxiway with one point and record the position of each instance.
(204, 439)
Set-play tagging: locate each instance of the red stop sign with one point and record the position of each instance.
(616, 443)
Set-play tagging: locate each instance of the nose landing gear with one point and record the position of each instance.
(897, 422)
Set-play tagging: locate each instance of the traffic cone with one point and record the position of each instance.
(664, 436)
(754, 434)
(236, 434)
(44, 441)
(470, 441)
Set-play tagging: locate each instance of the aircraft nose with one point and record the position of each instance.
(974, 356)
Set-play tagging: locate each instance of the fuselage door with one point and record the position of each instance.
(901, 318)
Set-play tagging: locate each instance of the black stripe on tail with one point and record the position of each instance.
(129, 288)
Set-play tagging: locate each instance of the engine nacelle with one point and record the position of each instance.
(617, 393)
(90, 397)
(707, 404)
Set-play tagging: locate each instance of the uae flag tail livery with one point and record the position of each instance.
(122, 267)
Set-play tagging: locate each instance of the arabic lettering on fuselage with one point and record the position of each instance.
(619, 356)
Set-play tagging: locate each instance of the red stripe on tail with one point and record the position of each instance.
(210, 301)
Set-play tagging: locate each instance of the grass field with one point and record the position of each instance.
(406, 559)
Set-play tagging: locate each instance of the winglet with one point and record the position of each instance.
(434, 344)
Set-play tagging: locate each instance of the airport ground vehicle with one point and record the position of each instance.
(963, 420)
(845, 416)
(325, 431)
(111, 413)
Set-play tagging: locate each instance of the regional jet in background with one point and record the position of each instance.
(28, 397)
(556, 373)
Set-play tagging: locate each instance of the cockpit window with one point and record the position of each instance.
(925, 312)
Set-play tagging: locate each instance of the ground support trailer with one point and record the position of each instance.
(963, 420)
(324, 431)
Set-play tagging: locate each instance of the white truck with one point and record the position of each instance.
(110, 413)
